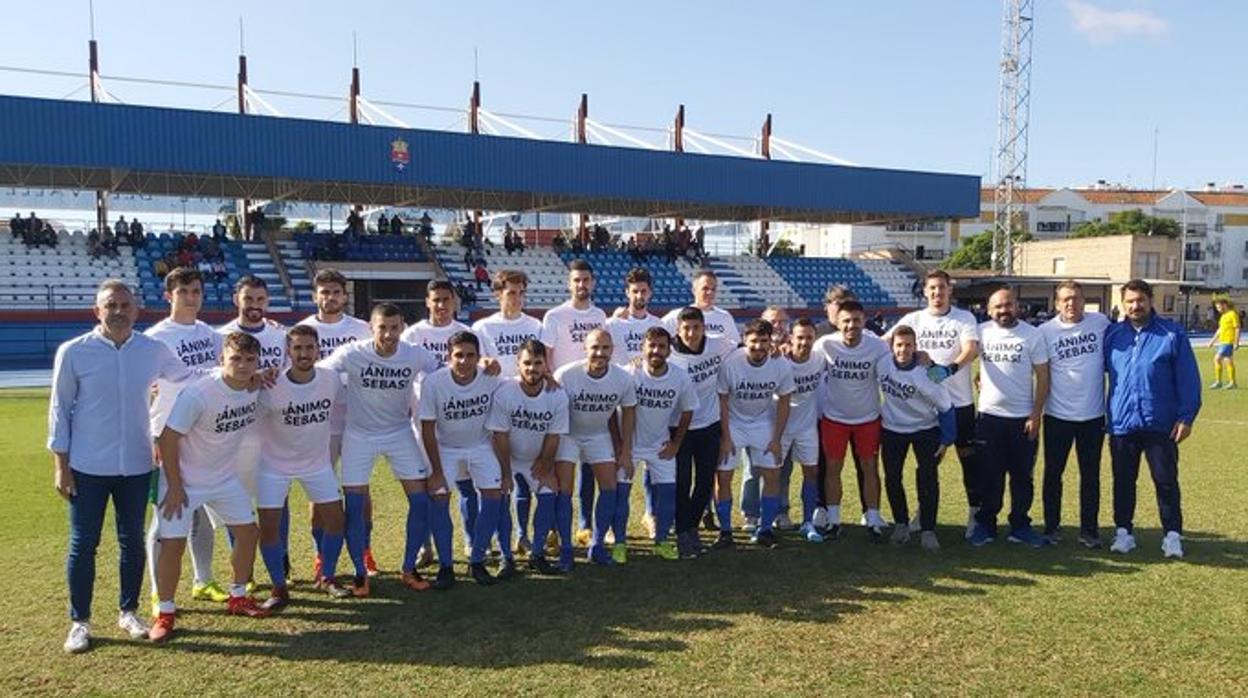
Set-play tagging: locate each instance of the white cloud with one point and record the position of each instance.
(1101, 26)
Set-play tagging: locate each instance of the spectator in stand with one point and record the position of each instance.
(426, 227)
(120, 229)
(634, 251)
(218, 231)
(185, 258)
(396, 225)
(191, 242)
(210, 248)
(137, 239)
(17, 227)
(469, 258)
(218, 270)
(108, 241)
(383, 224)
(877, 324)
(669, 244)
(205, 268)
(481, 275)
(94, 248)
(699, 241)
(161, 266)
(33, 227)
(558, 244)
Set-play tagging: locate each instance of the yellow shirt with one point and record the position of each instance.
(1228, 326)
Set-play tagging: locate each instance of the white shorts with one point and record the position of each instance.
(590, 449)
(228, 501)
(320, 485)
(478, 464)
(247, 461)
(750, 447)
(802, 447)
(400, 447)
(662, 472)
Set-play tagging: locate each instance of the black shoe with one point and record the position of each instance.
(724, 541)
(507, 570)
(708, 521)
(833, 532)
(445, 579)
(542, 566)
(481, 575)
(1091, 541)
(686, 545)
(877, 534)
(766, 539)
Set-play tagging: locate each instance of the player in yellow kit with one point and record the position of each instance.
(1225, 340)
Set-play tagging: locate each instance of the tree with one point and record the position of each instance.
(784, 247)
(975, 253)
(1133, 222)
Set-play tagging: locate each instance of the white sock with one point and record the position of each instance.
(874, 518)
(153, 550)
(168, 607)
(238, 591)
(202, 539)
(834, 514)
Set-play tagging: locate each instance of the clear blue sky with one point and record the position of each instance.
(895, 84)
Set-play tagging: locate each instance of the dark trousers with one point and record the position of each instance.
(1163, 463)
(893, 448)
(1088, 437)
(971, 476)
(1002, 448)
(696, 463)
(86, 522)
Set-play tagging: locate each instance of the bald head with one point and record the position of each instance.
(1002, 308)
(598, 346)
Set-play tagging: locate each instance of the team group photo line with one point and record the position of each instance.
(516, 418)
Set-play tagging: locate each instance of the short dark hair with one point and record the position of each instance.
(704, 272)
(509, 276)
(302, 331)
(803, 322)
(440, 285)
(904, 331)
(937, 274)
(242, 342)
(533, 346)
(249, 281)
(838, 294)
(850, 306)
(1070, 284)
(656, 333)
(464, 337)
(1139, 286)
(386, 310)
(326, 277)
(580, 265)
(691, 314)
(182, 276)
(757, 327)
(638, 275)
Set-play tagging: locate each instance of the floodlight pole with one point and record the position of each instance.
(474, 127)
(93, 61)
(582, 114)
(242, 109)
(765, 150)
(678, 145)
(353, 113)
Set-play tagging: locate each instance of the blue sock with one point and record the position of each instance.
(318, 536)
(585, 490)
(769, 506)
(355, 533)
(487, 524)
(468, 508)
(563, 521)
(543, 521)
(723, 512)
(273, 554)
(523, 493)
(417, 528)
(620, 525)
(665, 510)
(604, 515)
(810, 500)
(440, 524)
(504, 528)
(331, 548)
(647, 492)
(283, 528)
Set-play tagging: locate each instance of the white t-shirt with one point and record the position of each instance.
(435, 340)
(703, 371)
(808, 378)
(527, 420)
(627, 334)
(1005, 373)
(380, 390)
(564, 329)
(1076, 367)
(941, 336)
(198, 346)
(850, 393)
(719, 323)
(501, 338)
(751, 389)
(660, 402)
(294, 422)
(212, 418)
(592, 401)
(333, 335)
(912, 401)
(272, 340)
(459, 412)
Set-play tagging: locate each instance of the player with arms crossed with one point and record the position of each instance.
(294, 428)
(527, 421)
(596, 388)
(197, 449)
(381, 375)
(754, 392)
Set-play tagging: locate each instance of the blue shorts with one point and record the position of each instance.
(1224, 350)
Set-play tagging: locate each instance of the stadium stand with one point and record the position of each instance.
(297, 272)
(671, 283)
(898, 281)
(260, 262)
(360, 248)
(768, 286)
(60, 278)
(548, 275)
(811, 277)
(217, 293)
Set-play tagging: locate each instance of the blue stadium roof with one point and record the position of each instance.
(80, 145)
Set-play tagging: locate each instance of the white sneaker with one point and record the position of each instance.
(820, 519)
(79, 639)
(134, 626)
(862, 520)
(1123, 543)
(915, 524)
(784, 523)
(929, 541)
(970, 521)
(751, 524)
(1215, 385)
(1172, 545)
